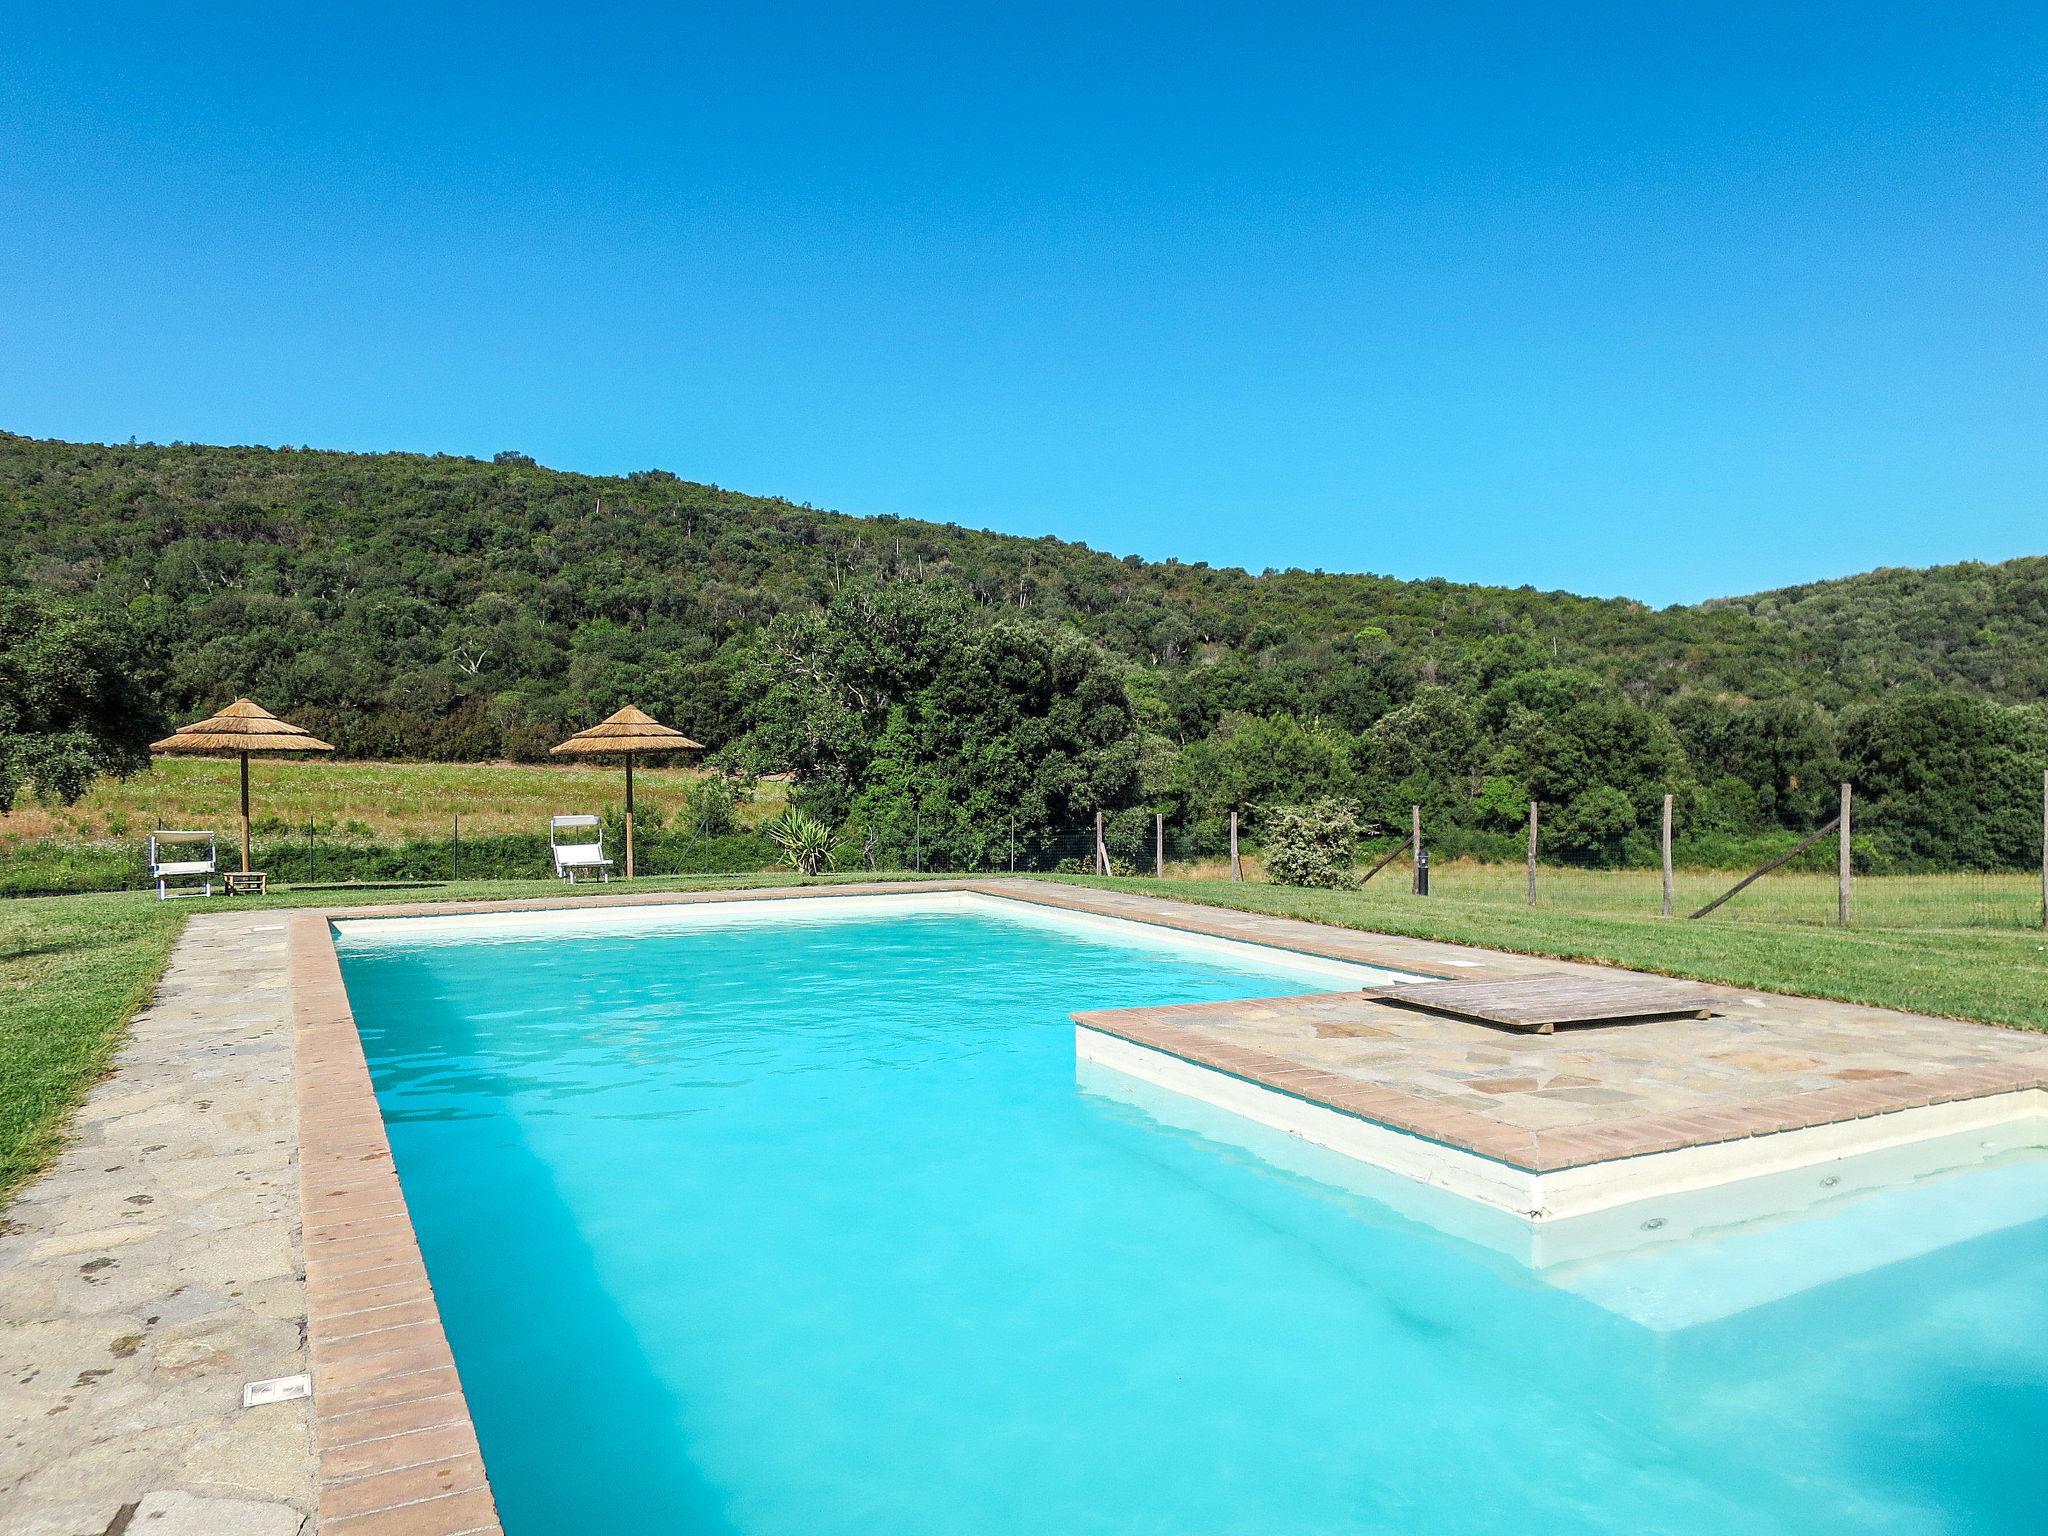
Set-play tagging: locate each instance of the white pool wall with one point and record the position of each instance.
(1566, 1193)
(668, 918)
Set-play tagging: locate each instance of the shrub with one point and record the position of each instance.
(711, 807)
(807, 844)
(1127, 835)
(1595, 828)
(1312, 844)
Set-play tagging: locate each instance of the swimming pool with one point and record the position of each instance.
(797, 1218)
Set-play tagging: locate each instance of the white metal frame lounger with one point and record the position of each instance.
(572, 858)
(164, 867)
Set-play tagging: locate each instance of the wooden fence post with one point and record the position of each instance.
(1101, 852)
(1391, 854)
(1158, 846)
(1844, 874)
(1237, 869)
(1415, 845)
(1532, 853)
(1667, 855)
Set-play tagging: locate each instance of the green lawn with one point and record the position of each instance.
(74, 969)
(72, 973)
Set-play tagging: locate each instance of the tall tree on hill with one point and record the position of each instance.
(1782, 750)
(1427, 753)
(73, 698)
(1251, 763)
(1025, 724)
(820, 688)
(1947, 781)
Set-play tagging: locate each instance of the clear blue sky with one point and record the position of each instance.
(1658, 299)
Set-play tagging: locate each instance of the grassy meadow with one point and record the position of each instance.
(73, 971)
(322, 822)
(355, 799)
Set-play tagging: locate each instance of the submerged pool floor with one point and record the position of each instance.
(808, 1227)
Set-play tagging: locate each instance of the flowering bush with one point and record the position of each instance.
(1312, 844)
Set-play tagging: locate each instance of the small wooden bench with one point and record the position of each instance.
(1540, 1003)
(247, 882)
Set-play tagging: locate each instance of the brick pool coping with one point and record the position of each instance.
(396, 1449)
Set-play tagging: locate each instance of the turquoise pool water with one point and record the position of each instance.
(808, 1228)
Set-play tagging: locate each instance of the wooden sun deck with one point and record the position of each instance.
(1539, 1004)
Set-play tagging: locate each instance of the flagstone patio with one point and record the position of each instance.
(156, 1269)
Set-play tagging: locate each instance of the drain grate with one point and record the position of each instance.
(279, 1389)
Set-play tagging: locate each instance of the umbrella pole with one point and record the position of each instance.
(245, 813)
(629, 815)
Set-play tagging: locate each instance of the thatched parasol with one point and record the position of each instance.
(237, 731)
(630, 732)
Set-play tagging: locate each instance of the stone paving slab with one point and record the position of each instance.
(155, 1269)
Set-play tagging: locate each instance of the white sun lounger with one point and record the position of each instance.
(572, 858)
(186, 856)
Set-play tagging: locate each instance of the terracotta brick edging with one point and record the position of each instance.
(396, 1453)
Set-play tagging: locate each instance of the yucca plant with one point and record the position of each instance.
(807, 844)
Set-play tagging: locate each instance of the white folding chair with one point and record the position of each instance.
(186, 856)
(584, 854)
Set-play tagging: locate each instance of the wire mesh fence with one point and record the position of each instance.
(1809, 890)
(1805, 892)
(1952, 899)
(1139, 844)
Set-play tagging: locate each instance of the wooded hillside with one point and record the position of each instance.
(443, 607)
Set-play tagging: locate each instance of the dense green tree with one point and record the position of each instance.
(1024, 727)
(1594, 741)
(1427, 753)
(73, 701)
(1782, 750)
(935, 737)
(1595, 827)
(1947, 780)
(1547, 691)
(1251, 762)
(824, 688)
